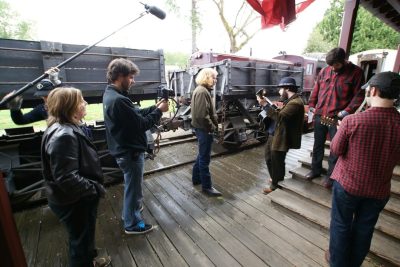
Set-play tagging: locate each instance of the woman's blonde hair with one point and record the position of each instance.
(205, 77)
(62, 104)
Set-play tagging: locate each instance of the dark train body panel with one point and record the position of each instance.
(23, 61)
(234, 95)
(312, 66)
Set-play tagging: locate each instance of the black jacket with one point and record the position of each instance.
(71, 166)
(125, 124)
(37, 114)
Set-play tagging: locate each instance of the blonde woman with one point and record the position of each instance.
(204, 122)
(72, 171)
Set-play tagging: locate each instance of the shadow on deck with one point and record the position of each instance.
(242, 228)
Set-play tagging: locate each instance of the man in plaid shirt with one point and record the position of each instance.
(337, 93)
(368, 147)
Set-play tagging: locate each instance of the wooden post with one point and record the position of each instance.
(11, 252)
(348, 22)
(396, 67)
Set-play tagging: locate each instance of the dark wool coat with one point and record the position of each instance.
(289, 124)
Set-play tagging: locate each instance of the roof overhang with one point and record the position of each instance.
(386, 10)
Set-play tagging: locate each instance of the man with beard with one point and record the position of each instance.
(288, 128)
(337, 93)
(368, 147)
(126, 138)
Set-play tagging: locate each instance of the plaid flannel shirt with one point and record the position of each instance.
(334, 92)
(368, 147)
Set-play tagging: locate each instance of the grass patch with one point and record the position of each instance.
(94, 113)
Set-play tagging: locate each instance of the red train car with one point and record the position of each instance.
(201, 58)
(311, 65)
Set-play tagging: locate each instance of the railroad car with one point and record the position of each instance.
(23, 61)
(312, 65)
(235, 92)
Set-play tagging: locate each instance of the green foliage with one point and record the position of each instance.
(331, 24)
(369, 31)
(11, 26)
(316, 43)
(176, 59)
(94, 112)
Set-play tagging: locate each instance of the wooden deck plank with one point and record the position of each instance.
(256, 245)
(28, 224)
(262, 203)
(244, 207)
(189, 250)
(386, 223)
(108, 226)
(168, 254)
(383, 247)
(52, 245)
(139, 247)
(217, 254)
(392, 206)
(163, 248)
(304, 247)
(187, 201)
(395, 188)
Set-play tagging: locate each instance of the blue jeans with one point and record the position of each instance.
(132, 166)
(320, 132)
(201, 171)
(79, 219)
(353, 220)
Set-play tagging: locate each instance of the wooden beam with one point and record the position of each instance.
(11, 251)
(396, 67)
(348, 22)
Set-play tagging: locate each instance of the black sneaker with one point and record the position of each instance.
(139, 229)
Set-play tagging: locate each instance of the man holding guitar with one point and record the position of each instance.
(337, 93)
(286, 129)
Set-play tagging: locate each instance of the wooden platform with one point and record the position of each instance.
(242, 228)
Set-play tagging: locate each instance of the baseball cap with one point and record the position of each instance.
(385, 81)
(44, 87)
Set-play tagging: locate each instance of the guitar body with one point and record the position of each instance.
(329, 121)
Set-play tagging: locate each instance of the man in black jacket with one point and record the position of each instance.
(126, 138)
(38, 113)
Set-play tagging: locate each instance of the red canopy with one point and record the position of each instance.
(278, 12)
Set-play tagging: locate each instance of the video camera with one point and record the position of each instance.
(164, 92)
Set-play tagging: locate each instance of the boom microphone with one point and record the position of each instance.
(155, 11)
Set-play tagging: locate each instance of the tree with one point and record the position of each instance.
(239, 31)
(369, 32)
(316, 43)
(176, 59)
(10, 24)
(193, 18)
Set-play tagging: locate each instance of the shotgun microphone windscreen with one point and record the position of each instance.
(155, 11)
